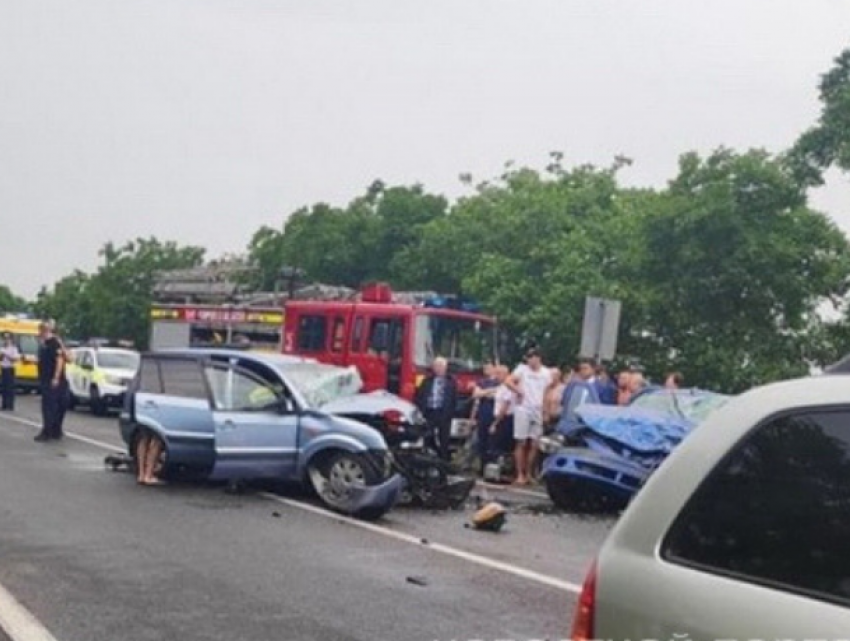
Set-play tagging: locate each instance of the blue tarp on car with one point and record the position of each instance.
(642, 430)
(655, 422)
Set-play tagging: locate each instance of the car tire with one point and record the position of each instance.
(331, 474)
(577, 495)
(73, 403)
(98, 407)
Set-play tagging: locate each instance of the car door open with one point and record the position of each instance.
(256, 425)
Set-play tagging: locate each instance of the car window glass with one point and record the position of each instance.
(382, 337)
(312, 333)
(338, 334)
(235, 389)
(777, 510)
(357, 335)
(149, 380)
(28, 344)
(182, 378)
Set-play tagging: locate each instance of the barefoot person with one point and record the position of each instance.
(148, 450)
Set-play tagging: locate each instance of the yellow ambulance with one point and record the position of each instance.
(24, 332)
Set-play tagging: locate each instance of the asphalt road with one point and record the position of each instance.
(94, 556)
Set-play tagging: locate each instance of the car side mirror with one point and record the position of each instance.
(286, 405)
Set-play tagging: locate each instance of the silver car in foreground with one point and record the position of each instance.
(742, 534)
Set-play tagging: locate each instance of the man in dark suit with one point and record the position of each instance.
(436, 398)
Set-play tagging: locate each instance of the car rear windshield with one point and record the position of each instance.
(776, 511)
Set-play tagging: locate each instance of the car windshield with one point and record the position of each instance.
(692, 404)
(320, 384)
(28, 344)
(465, 342)
(118, 360)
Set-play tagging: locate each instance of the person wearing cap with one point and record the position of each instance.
(9, 355)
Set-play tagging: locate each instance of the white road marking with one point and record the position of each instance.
(514, 490)
(447, 550)
(18, 623)
(69, 435)
(477, 559)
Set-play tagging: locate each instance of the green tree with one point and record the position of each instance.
(530, 246)
(68, 302)
(114, 302)
(734, 267)
(346, 246)
(827, 143)
(9, 302)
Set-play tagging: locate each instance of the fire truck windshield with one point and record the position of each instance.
(465, 342)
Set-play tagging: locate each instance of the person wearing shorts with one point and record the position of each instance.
(529, 382)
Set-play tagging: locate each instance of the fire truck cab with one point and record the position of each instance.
(393, 342)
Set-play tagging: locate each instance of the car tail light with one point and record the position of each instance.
(583, 620)
(394, 419)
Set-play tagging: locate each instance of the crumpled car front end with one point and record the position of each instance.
(366, 500)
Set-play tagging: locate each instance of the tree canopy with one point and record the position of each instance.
(10, 303)
(722, 273)
(115, 300)
(827, 143)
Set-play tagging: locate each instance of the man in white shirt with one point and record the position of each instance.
(529, 382)
(9, 355)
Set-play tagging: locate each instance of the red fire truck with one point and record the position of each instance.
(392, 339)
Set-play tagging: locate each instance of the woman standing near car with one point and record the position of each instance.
(9, 355)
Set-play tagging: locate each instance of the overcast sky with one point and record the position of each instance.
(201, 120)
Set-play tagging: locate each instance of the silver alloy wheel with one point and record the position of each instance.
(334, 488)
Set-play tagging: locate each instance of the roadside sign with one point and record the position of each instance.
(600, 329)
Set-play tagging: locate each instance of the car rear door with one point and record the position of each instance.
(174, 400)
(256, 429)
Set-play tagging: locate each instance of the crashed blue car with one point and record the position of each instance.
(237, 416)
(601, 455)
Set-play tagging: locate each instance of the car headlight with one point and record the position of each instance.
(550, 444)
(114, 380)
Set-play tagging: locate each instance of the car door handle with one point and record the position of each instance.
(149, 405)
(227, 425)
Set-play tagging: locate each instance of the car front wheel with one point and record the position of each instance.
(336, 477)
